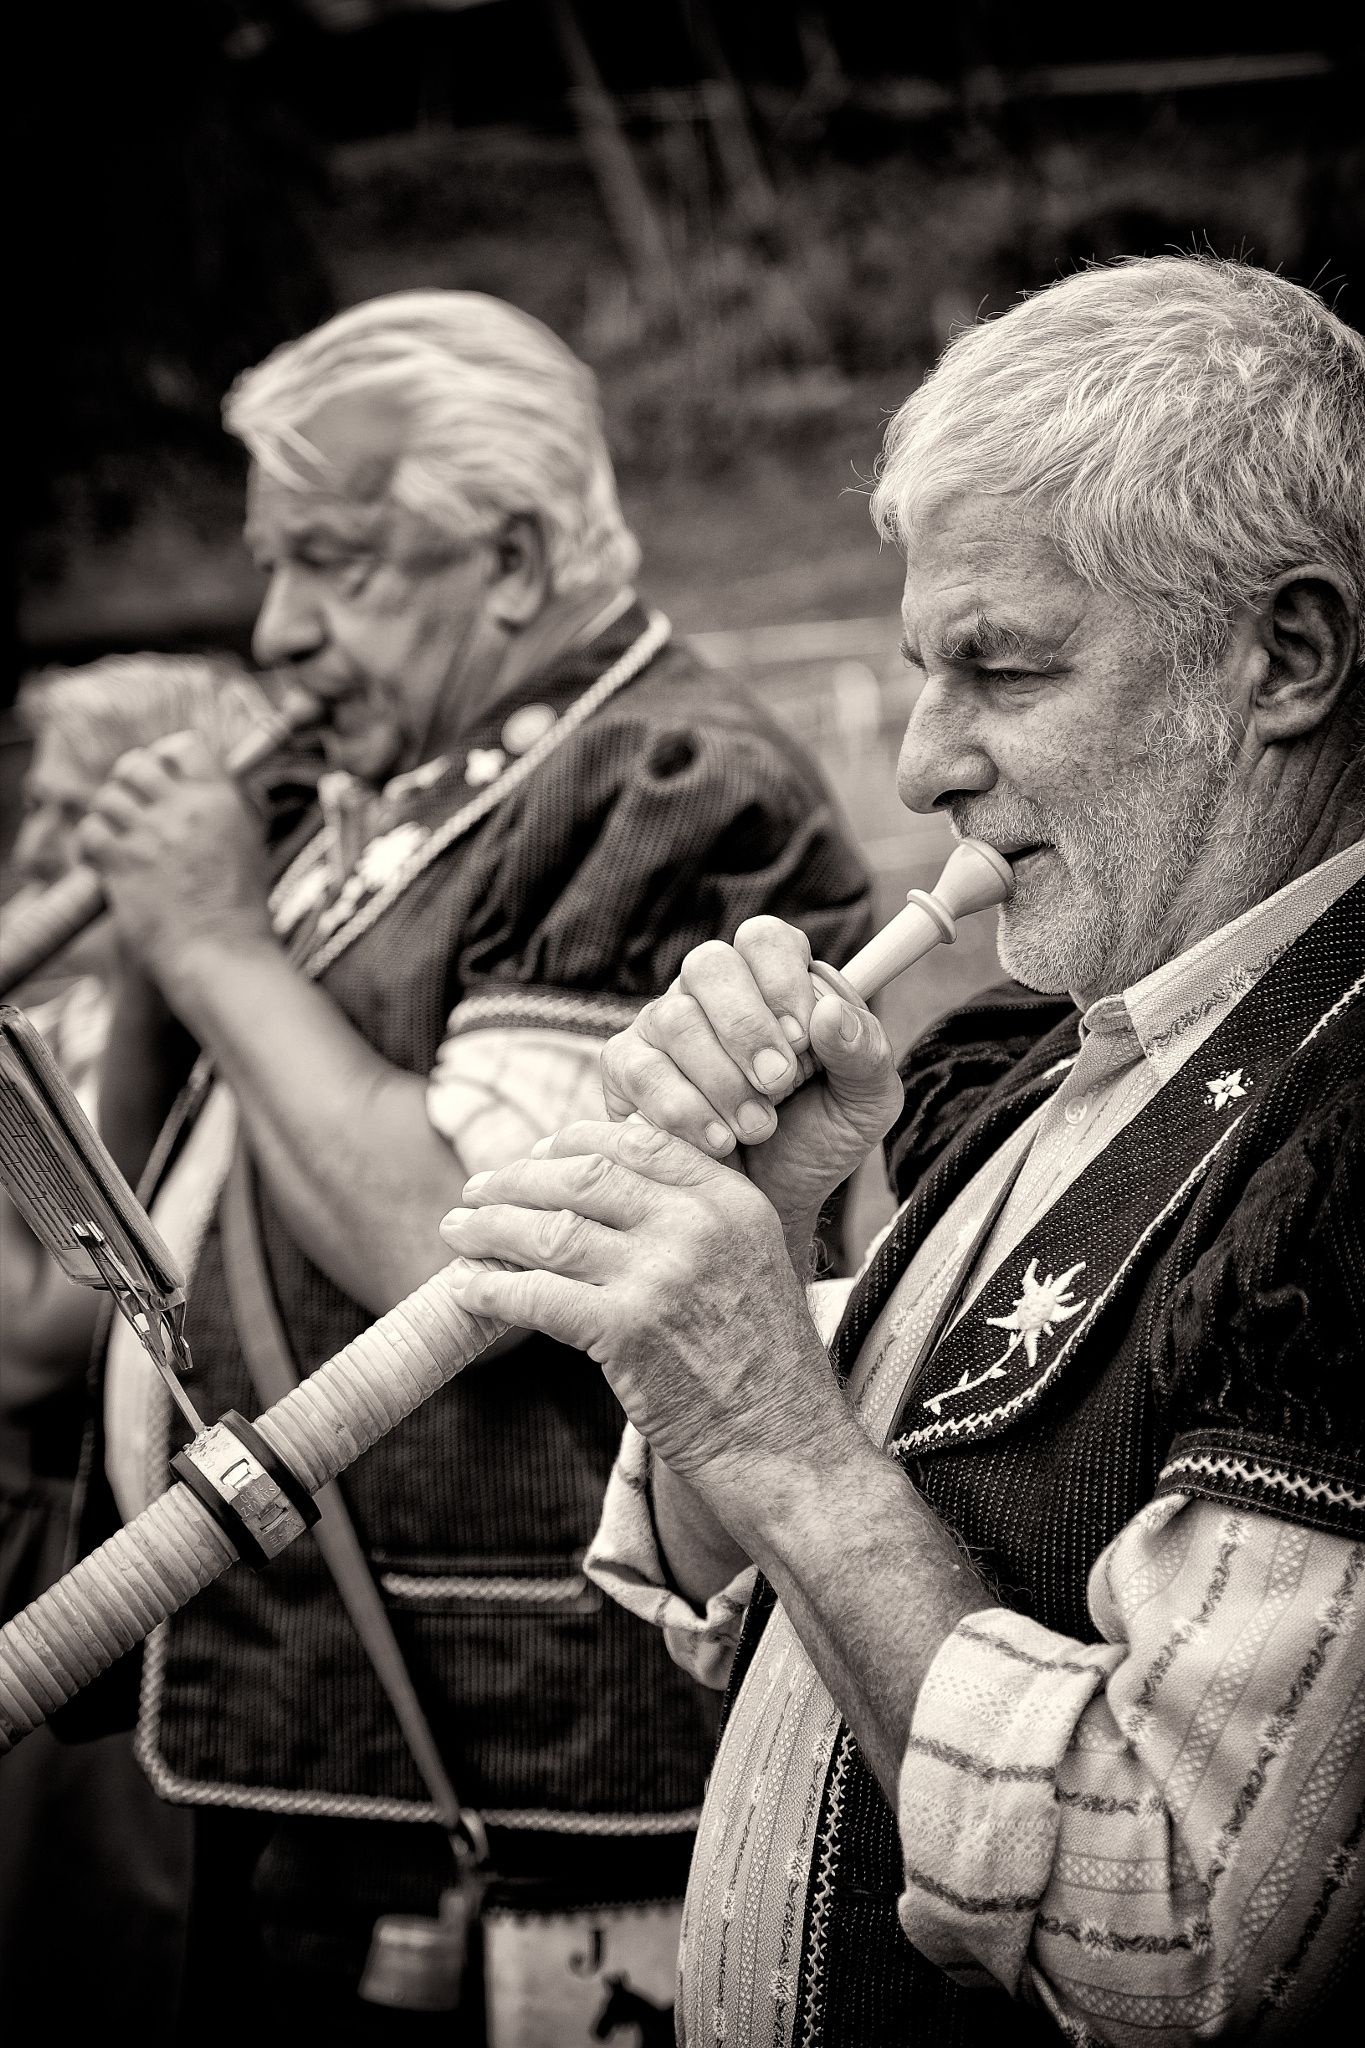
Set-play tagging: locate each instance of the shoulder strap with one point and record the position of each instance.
(270, 1362)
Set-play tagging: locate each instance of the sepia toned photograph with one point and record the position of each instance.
(682, 1027)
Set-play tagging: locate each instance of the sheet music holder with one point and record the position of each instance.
(66, 1185)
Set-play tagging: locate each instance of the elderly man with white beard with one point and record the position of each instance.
(1049, 1684)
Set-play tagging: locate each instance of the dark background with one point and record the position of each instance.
(813, 196)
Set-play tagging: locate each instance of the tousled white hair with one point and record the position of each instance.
(1193, 427)
(503, 419)
(105, 708)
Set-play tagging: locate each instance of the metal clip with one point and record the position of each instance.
(160, 1330)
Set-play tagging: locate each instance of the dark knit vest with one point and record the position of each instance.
(1218, 1354)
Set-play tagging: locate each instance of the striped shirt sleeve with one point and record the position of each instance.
(494, 1093)
(1154, 1835)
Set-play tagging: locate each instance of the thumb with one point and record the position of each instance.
(859, 1065)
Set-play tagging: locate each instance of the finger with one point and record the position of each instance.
(858, 1062)
(738, 1014)
(567, 1310)
(140, 772)
(777, 955)
(587, 1182)
(119, 808)
(638, 1080)
(95, 842)
(656, 1154)
(187, 754)
(673, 1037)
(544, 1240)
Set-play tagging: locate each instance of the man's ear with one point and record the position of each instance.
(520, 587)
(1310, 645)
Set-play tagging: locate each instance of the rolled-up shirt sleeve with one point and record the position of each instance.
(1154, 1835)
(626, 1561)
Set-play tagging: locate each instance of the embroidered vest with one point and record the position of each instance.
(1136, 1342)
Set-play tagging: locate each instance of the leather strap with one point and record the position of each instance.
(270, 1362)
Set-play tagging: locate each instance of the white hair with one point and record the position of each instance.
(504, 419)
(105, 708)
(1193, 428)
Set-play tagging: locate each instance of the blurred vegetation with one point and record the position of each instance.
(181, 219)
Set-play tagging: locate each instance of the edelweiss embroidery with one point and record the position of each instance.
(1039, 1307)
(1228, 1087)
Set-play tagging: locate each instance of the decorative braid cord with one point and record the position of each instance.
(822, 1895)
(546, 1009)
(1250, 1473)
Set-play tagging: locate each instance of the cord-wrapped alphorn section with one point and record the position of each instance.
(150, 1570)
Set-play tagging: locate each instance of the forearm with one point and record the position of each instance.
(699, 1552)
(870, 1579)
(340, 1136)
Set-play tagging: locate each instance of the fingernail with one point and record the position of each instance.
(791, 1029)
(849, 1025)
(454, 1217)
(771, 1066)
(538, 1151)
(719, 1137)
(754, 1119)
(476, 1181)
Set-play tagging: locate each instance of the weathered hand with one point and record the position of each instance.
(704, 1059)
(671, 1272)
(178, 852)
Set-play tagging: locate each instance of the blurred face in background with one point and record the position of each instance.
(57, 793)
(379, 614)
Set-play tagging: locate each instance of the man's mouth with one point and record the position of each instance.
(1018, 856)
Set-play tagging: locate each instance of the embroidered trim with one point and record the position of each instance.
(566, 1009)
(362, 1805)
(972, 1425)
(573, 1590)
(953, 1426)
(636, 657)
(822, 1895)
(1251, 1473)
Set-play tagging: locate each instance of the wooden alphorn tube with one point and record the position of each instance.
(157, 1563)
(38, 931)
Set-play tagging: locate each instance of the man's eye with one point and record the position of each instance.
(348, 573)
(1011, 676)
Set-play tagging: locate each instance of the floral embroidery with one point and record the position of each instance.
(1039, 1306)
(1228, 1087)
(379, 862)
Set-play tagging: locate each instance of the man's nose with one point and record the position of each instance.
(289, 627)
(941, 757)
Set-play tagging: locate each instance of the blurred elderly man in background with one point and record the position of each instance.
(1067, 1577)
(88, 1808)
(533, 809)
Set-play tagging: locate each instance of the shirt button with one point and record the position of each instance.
(1075, 1111)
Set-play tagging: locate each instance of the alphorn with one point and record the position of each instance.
(157, 1563)
(38, 931)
